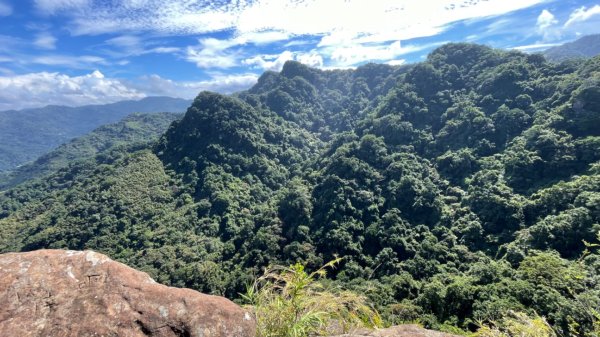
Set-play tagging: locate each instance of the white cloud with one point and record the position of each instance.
(125, 41)
(269, 62)
(368, 21)
(45, 41)
(154, 85)
(41, 89)
(546, 26)
(132, 45)
(77, 62)
(44, 88)
(536, 47)
(275, 62)
(312, 59)
(5, 9)
(358, 53)
(212, 53)
(350, 31)
(218, 53)
(396, 62)
(582, 14)
(352, 53)
(259, 38)
(545, 20)
(53, 6)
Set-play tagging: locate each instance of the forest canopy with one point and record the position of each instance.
(456, 189)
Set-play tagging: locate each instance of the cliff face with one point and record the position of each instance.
(82, 293)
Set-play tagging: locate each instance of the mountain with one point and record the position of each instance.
(456, 190)
(133, 129)
(27, 134)
(584, 47)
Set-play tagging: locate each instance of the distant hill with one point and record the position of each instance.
(137, 128)
(587, 46)
(27, 134)
(460, 189)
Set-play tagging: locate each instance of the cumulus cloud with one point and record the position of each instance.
(275, 62)
(545, 20)
(545, 26)
(41, 89)
(358, 53)
(354, 53)
(44, 88)
(269, 62)
(312, 59)
(582, 14)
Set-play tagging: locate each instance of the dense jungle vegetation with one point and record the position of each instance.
(28, 134)
(456, 190)
(135, 128)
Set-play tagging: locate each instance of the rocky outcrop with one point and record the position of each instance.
(56, 293)
(405, 330)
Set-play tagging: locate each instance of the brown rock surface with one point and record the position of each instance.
(405, 330)
(56, 293)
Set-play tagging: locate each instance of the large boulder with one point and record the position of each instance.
(405, 330)
(54, 293)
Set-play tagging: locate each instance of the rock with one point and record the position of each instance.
(405, 330)
(56, 293)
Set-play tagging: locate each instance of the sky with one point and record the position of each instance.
(77, 52)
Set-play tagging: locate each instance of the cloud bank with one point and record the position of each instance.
(44, 88)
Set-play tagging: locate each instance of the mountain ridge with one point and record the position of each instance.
(584, 47)
(27, 134)
(135, 128)
(459, 189)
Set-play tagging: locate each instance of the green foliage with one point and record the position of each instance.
(136, 128)
(452, 203)
(517, 324)
(28, 134)
(290, 302)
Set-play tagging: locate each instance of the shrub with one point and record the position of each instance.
(517, 324)
(290, 302)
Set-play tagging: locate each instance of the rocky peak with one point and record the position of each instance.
(54, 293)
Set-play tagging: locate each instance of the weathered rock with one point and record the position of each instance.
(405, 330)
(56, 293)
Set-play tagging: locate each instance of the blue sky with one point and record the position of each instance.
(75, 52)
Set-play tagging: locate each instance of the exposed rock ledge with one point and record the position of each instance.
(56, 293)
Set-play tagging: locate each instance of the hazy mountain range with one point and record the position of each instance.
(587, 46)
(27, 134)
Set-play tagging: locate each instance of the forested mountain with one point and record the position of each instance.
(456, 189)
(135, 128)
(584, 47)
(27, 134)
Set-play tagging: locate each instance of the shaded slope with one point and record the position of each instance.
(584, 47)
(136, 128)
(27, 134)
